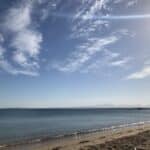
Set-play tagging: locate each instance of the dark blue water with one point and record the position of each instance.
(17, 124)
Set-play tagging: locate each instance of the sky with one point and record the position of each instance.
(74, 53)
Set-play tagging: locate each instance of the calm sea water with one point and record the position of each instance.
(17, 124)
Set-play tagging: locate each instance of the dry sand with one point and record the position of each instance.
(125, 138)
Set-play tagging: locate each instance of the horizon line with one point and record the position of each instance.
(82, 107)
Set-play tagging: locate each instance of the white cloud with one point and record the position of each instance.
(94, 15)
(89, 8)
(128, 3)
(120, 63)
(19, 57)
(25, 39)
(6, 66)
(18, 18)
(124, 32)
(84, 23)
(50, 6)
(111, 55)
(84, 53)
(103, 62)
(23, 61)
(12, 70)
(145, 72)
(88, 24)
(132, 3)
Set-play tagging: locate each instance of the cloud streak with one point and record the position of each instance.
(84, 53)
(145, 72)
(88, 23)
(124, 17)
(6, 66)
(120, 62)
(102, 17)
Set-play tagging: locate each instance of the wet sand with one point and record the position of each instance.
(135, 137)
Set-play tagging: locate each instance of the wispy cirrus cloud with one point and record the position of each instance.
(128, 3)
(91, 19)
(84, 23)
(84, 53)
(143, 73)
(120, 62)
(132, 3)
(6, 66)
(48, 8)
(101, 17)
(93, 25)
(108, 60)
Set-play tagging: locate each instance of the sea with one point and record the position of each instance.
(25, 124)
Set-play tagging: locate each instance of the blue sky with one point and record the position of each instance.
(70, 53)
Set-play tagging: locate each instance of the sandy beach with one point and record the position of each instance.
(74, 74)
(135, 137)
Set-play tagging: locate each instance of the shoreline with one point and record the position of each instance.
(79, 139)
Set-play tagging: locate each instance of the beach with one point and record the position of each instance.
(74, 74)
(133, 137)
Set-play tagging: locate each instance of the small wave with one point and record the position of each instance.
(74, 134)
(2, 146)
